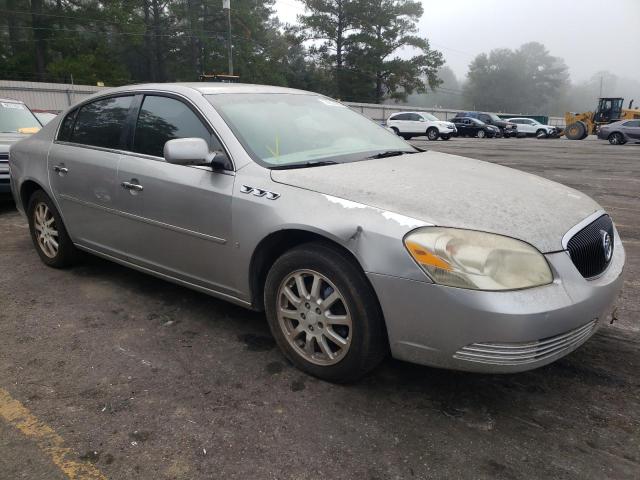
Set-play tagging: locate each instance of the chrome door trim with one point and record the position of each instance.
(164, 276)
(579, 226)
(131, 216)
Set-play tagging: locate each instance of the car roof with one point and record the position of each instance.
(210, 88)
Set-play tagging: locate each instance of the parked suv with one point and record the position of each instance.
(16, 122)
(531, 127)
(415, 124)
(507, 129)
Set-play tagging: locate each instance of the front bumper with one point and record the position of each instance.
(497, 332)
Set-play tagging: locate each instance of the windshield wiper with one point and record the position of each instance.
(391, 153)
(310, 163)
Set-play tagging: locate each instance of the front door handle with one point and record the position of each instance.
(60, 170)
(132, 186)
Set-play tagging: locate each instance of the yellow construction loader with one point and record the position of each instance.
(580, 125)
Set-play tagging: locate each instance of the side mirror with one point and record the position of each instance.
(188, 151)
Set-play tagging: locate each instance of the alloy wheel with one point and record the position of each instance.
(314, 317)
(46, 232)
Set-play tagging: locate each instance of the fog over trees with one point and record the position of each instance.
(358, 50)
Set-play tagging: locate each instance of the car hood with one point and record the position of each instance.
(452, 191)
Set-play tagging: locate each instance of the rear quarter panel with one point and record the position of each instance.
(28, 161)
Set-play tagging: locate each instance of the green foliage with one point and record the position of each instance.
(124, 41)
(361, 42)
(528, 80)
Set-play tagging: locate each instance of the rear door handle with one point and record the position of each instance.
(132, 186)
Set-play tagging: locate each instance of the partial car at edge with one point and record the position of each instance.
(352, 241)
(619, 133)
(16, 123)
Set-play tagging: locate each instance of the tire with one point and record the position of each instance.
(481, 134)
(395, 130)
(586, 131)
(541, 133)
(445, 137)
(432, 134)
(299, 333)
(405, 136)
(47, 230)
(616, 138)
(576, 131)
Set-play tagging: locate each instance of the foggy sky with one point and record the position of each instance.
(590, 35)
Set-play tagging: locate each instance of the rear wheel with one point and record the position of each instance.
(576, 131)
(616, 138)
(324, 314)
(432, 133)
(48, 233)
(481, 134)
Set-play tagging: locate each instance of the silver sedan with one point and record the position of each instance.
(353, 242)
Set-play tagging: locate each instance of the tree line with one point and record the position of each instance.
(355, 50)
(364, 50)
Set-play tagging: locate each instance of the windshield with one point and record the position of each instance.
(494, 117)
(17, 118)
(280, 130)
(430, 117)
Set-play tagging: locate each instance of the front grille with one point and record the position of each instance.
(4, 156)
(523, 353)
(587, 247)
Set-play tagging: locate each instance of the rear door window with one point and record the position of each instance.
(66, 128)
(101, 123)
(162, 119)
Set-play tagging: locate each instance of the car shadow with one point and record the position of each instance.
(7, 204)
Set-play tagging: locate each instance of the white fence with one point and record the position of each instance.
(46, 96)
(58, 96)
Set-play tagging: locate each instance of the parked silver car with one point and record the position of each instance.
(16, 123)
(353, 241)
(619, 133)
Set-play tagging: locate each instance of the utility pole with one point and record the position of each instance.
(600, 86)
(226, 5)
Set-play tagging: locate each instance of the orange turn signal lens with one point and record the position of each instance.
(425, 258)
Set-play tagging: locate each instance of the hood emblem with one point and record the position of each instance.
(607, 245)
(258, 192)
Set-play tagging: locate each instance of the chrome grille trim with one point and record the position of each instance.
(526, 352)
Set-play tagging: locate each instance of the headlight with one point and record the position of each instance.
(477, 260)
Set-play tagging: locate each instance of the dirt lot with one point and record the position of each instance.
(144, 379)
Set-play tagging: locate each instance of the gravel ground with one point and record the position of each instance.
(148, 380)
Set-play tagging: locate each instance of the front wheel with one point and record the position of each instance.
(324, 314)
(576, 131)
(541, 133)
(481, 134)
(432, 134)
(48, 233)
(445, 137)
(616, 138)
